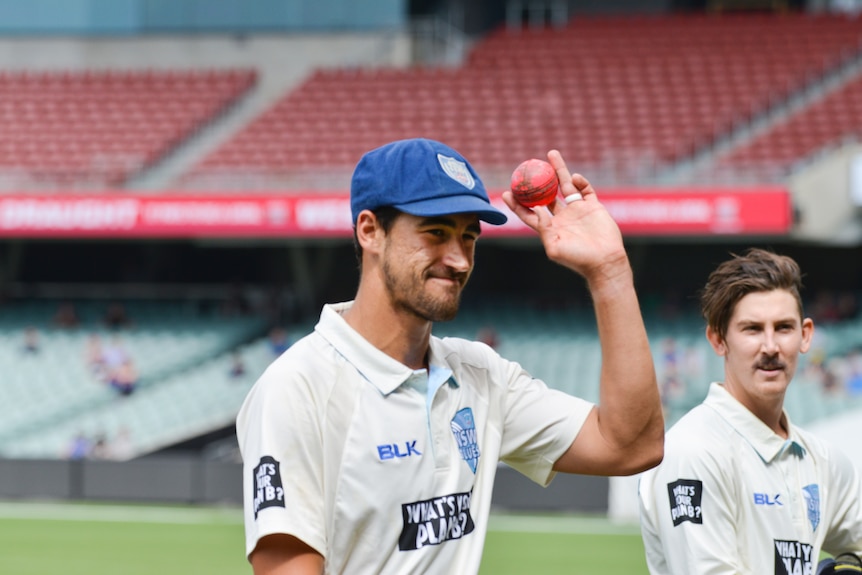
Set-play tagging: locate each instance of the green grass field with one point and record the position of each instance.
(93, 539)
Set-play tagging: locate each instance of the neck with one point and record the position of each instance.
(397, 333)
(768, 410)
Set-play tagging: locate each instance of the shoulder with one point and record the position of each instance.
(700, 443)
(464, 351)
(701, 428)
(841, 467)
(306, 370)
(308, 356)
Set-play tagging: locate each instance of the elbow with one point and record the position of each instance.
(652, 456)
(646, 453)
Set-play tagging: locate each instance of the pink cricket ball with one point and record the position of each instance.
(535, 183)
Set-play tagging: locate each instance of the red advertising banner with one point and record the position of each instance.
(639, 212)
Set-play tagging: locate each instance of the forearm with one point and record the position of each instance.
(629, 413)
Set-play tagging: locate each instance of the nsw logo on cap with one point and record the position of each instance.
(457, 170)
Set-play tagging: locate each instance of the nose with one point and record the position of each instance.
(458, 256)
(770, 343)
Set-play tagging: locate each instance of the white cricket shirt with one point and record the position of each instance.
(733, 497)
(383, 469)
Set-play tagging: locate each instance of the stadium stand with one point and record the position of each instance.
(828, 122)
(649, 91)
(622, 97)
(53, 389)
(95, 129)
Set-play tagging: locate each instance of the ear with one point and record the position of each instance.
(716, 342)
(369, 234)
(807, 334)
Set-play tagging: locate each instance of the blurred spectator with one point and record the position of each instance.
(66, 316)
(824, 309)
(32, 340)
(237, 301)
(671, 385)
(94, 355)
(124, 378)
(830, 382)
(848, 305)
(278, 341)
(693, 364)
(79, 448)
(237, 366)
(121, 448)
(279, 305)
(113, 355)
(853, 383)
(488, 336)
(100, 449)
(116, 316)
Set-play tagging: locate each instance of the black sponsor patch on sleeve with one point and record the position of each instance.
(268, 490)
(433, 521)
(684, 496)
(792, 557)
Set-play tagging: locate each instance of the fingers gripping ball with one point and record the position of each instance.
(535, 183)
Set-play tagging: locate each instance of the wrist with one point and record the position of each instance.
(611, 277)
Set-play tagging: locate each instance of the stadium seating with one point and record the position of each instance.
(55, 387)
(187, 390)
(620, 92)
(95, 129)
(187, 403)
(828, 122)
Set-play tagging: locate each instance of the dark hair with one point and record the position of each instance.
(386, 216)
(757, 270)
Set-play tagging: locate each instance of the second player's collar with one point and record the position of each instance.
(766, 442)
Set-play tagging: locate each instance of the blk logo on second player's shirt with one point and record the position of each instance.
(767, 499)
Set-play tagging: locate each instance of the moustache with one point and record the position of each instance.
(770, 364)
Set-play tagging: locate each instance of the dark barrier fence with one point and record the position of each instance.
(184, 479)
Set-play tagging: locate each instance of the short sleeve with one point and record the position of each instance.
(279, 435)
(540, 424)
(688, 522)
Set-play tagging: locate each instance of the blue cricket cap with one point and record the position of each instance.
(420, 177)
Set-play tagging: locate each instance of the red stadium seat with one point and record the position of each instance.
(632, 89)
(98, 128)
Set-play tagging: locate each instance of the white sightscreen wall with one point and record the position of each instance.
(856, 179)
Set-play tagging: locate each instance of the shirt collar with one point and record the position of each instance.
(766, 442)
(382, 371)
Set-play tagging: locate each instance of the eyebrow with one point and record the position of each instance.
(788, 319)
(449, 222)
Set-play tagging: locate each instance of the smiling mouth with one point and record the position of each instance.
(450, 279)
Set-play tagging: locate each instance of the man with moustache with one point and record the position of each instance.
(741, 489)
(370, 446)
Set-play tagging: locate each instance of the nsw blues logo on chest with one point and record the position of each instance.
(464, 429)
